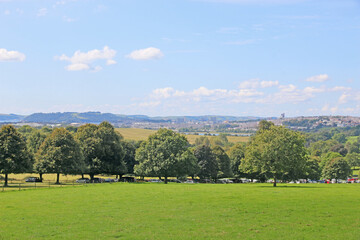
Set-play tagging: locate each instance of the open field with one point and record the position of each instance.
(142, 134)
(182, 211)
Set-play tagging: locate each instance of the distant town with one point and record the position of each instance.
(242, 126)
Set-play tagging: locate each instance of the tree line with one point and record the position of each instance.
(273, 152)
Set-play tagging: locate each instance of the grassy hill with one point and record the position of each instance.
(142, 134)
(182, 211)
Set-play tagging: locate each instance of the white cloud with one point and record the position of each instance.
(11, 56)
(287, 88)
(83, 60)
(42, 12)
(318, 78)
(344, 98)
(7, 12)
(340, 88)
(163, 92)
(77, 67)
(256, 83)
(146, 54)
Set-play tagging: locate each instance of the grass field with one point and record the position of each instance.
(182, 211)
(142, 134)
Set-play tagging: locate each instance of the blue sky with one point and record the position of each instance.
(181, 57)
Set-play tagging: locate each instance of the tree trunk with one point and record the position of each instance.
(6, 180)
(57, 178)
(166, 180)
(91, 176)
(274, 181)
(40, 176)
(82, 175)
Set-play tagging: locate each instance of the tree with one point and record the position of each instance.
(34, 141)
(276, 152)
(223, 162)
(264, 125)
(207, 162)
(102, 149)
(312, 168)
(340, 149)
(237, 154)
(202, 140)
(14, 156)
(59, 153)
(337, 168)
(162, 154)
(129, 148)
(353, 159)
(112, 153)
(340, 137)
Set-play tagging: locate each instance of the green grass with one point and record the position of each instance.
(182, 211)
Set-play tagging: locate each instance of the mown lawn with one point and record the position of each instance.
(182, 211)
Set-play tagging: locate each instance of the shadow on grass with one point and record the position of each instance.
(289, 186)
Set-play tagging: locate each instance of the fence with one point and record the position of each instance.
(19, 185)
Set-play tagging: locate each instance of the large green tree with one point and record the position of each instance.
(336, 168)
(59, 153)
(102, 148)
(353, 159)
(223, 162)
(237, 154)
(276, 152)
(208, 165)
(162, 155)
(14, 156)
(34, 141)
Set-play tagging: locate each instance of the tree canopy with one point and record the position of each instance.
(276, 152)
(59, 153)
(14, 156)
(162, 154)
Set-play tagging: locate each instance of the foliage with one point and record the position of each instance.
(59, 153)
(339, 148)
(276, 152)
(223, 161)
(337, 168)
(161, 155)
(237, 154)
(202, 140)
(312, 168)
(353, 159)
(14, 157)
(102, 148)
(207, 162)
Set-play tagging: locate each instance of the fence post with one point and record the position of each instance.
(19, 187)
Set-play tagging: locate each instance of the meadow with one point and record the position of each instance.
(142, 134)
(182, 211)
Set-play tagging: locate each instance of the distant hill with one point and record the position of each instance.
(11, 118)
(97, 117)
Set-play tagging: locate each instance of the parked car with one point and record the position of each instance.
(127, 179)
(155, 180)
(97, 180)
(189, 181)
(206, 181)
(83, 180)
(109, 180)
(174, 180)
(222, 181)
(33, 179)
